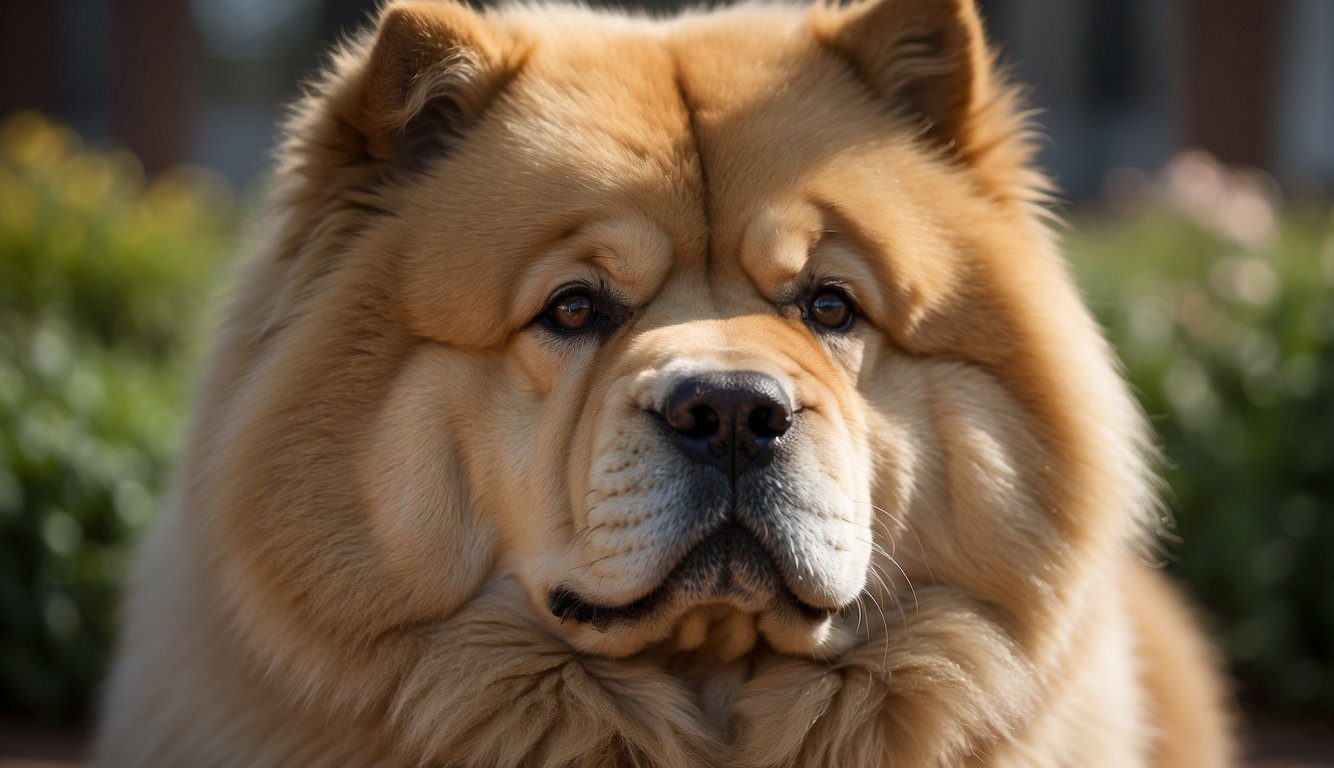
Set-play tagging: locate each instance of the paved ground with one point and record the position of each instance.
(1284, 742)
(1272, 743)
(26, 745)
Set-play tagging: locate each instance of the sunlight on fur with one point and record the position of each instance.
(702, 391)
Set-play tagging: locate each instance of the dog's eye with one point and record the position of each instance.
(830, 308)
(572, 312)
(578, 311)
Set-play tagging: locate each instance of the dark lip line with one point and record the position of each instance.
(566, 604)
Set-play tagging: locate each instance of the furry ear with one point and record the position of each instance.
(926, 58)
(432, 69)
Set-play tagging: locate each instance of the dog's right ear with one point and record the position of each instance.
(432, 69)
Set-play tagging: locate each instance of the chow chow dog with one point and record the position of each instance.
(705, 391)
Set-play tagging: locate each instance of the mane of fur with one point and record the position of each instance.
(940, 681)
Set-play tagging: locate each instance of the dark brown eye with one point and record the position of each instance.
(579, 312)
(832, 309)
(572, 312)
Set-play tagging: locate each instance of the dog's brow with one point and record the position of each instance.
(633, 253)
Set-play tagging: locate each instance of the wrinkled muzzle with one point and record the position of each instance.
(730, 481)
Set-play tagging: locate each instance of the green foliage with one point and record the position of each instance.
(105, 278)
(1229, 349)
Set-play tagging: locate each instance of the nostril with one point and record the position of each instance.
(692, 418)
(703, 422)
(769, 422)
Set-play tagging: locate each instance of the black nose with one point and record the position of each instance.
(729, 419)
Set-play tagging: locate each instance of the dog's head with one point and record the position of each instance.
(701, 330)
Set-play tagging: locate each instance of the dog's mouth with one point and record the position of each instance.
(730, 565)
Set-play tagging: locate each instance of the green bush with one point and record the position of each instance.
(105, 281)
(1224, 319)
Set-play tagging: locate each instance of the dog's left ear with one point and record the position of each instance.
(927, 59)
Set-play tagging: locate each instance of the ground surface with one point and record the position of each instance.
(1273, 742)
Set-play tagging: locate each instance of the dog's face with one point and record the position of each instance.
(677, 329)
(678, 288)
(704, 332)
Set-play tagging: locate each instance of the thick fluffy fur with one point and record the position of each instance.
(393, 466)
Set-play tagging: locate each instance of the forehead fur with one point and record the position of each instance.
(690, 130)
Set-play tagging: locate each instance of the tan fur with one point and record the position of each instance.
(392, 467)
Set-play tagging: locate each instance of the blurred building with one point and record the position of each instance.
(1120, 82)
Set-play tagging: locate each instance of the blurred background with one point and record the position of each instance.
(1193, 140)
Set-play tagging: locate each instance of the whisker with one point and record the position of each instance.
(917, 607)
(883, 578)
(594, 562)
(920, 548)
(889, 535)
(893, 595)
(586, 532)
(883, 621)
(876, 519)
